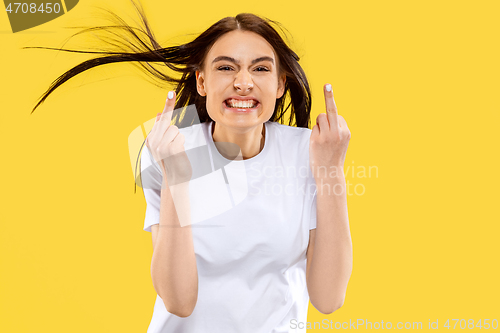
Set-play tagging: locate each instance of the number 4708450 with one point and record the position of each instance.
(31, 8)
(470, 323)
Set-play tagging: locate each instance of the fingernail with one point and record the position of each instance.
(328, 87)
(170, 95)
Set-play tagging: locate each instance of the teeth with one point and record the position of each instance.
(234, 103)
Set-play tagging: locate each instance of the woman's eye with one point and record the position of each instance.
(263, 69)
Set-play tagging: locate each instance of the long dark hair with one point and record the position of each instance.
(188, 58)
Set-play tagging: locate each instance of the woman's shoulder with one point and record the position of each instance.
(194, 135)
(291, 141)
(289, 134)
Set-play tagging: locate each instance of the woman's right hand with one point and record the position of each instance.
(166, 144)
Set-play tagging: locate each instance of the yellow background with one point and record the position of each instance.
(417, 83)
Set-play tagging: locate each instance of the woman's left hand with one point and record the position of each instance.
(329, 140)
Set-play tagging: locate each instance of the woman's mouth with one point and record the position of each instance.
(236, 105)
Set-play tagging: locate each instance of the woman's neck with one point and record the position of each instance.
(229, 143)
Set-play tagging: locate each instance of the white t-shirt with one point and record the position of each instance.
(251, 222)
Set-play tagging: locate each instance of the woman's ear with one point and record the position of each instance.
(200, 83)
(281, 86)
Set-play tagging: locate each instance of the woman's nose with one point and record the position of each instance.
(243, 81)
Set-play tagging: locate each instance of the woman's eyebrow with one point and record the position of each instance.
(237, 62)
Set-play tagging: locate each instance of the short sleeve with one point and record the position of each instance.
(151, 180)
(312, 221)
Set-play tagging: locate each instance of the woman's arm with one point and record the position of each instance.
(173, 266)
(329, 255)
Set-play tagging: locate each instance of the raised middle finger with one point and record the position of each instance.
(331, 108)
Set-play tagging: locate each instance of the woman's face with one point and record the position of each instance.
(240, 65)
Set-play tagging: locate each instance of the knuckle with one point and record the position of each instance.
(180, 138)
(173, 130)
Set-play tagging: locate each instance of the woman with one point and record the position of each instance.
(253, 263)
